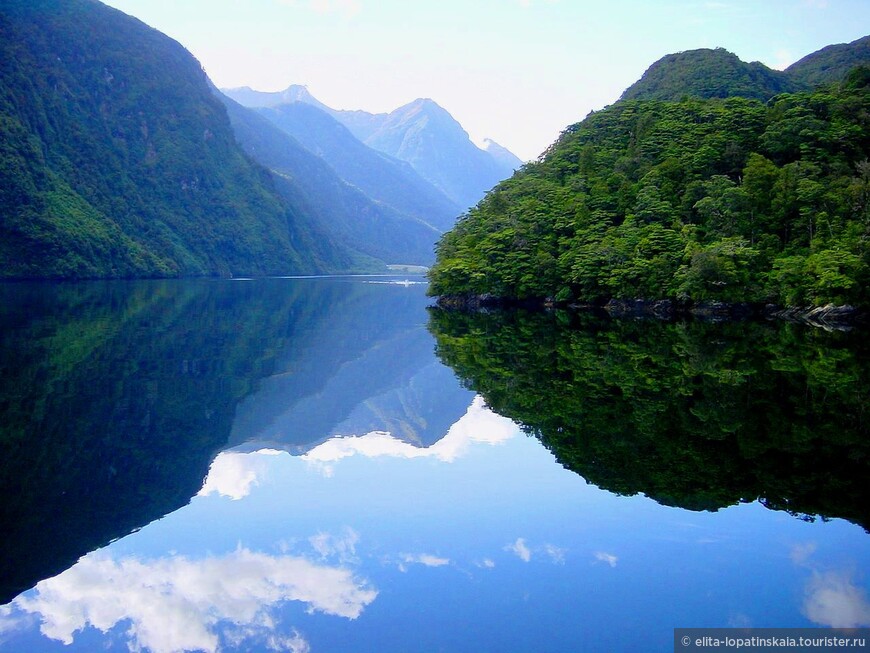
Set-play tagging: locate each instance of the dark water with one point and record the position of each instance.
(288, 465)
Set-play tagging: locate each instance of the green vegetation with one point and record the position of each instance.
(830, 64)
(116, 160)
(709, 73)
(695, 415)
(717, 199)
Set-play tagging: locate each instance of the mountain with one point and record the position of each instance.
(707, 73)
(382, 178)
(248, 97)
(421, 133)
(425, 135)
(116, 160)
(722, 200)
(830, 64)
(501, 154)
(347, 214)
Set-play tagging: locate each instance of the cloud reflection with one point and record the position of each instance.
(234, 474)
(178, 604)
(520, 550)
(832, 599)
(479, 424)
(425, 559)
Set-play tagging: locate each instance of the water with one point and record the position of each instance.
(634, 477)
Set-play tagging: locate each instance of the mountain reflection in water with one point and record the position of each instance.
(117, 396)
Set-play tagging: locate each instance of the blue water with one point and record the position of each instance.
(470, 539)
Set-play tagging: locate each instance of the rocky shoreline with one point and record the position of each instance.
(830, 316)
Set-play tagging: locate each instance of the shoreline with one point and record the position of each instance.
(829, 316)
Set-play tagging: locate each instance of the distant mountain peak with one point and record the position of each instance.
(248, 97)
(502, 154)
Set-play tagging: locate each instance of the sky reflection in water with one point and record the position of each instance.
(478, 542)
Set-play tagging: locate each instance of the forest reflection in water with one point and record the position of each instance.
(696, 415)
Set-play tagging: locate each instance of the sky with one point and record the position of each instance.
(515, 71)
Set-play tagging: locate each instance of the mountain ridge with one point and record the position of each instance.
(719, 73)
(420, 132)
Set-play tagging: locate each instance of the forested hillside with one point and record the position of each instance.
(717, 199)
(830, 64)
(117, 161)
(717, 73)
(709, 73)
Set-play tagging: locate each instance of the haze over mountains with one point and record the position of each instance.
(421, 133)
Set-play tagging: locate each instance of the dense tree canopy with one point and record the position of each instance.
(717, 199)
(116, 159)
(709, 73)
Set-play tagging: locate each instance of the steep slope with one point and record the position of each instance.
(421, 133)
(504, 156)
(830, 64)
(724, 200)
(116, 160)
(435, 144)
(382, 178)
(345, 212)
(707, 73)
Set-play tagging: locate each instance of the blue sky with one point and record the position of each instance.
(516, 71)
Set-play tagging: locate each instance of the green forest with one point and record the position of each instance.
(693, 414)
(117, 160)
(700, 199)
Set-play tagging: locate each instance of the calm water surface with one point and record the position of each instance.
(294, 465)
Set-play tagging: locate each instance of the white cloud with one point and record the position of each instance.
(832, 599)
(609, 558)
(424, 559)
(176, 604)
(486, 563)
(234, 474)
(478, 425)
(342, 546)
(293, 644)
(524, 552)
(800, 553)
(520, 550)
(557, 555)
